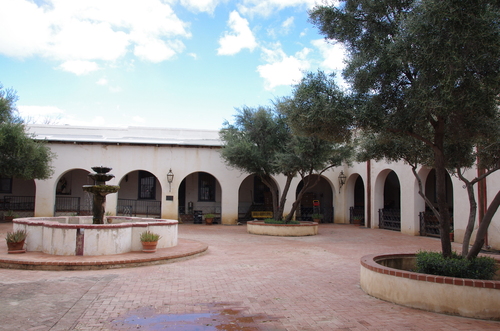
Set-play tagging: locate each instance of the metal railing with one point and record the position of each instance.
(17, 203)
(67, 205)
(429, 224)
(305, 213)
(131, 207)
(389, 219)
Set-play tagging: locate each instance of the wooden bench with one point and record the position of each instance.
(262, 214)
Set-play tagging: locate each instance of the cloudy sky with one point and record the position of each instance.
(157, 63)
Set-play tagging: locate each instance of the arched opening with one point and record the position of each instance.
(357, 212)
(429, 224)
(70, 197)
(253, 196)
(390, 215)
(199, 194)
(139, 195)
(17, 197)
(318, 200)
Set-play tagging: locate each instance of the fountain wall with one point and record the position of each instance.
(73, 235)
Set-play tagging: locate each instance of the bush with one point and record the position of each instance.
(273, 221)
(434, 263)
(149, 236)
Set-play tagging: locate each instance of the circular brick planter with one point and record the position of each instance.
(382, 277)
(283, 230)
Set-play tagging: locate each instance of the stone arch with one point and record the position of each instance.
(429, 224)
(355, 198)
(70, 199)
(387, 200)
(17, 197)
(318, 200)
(139, 195)
(199, 193)
(253, 195)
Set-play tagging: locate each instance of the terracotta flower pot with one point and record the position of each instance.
(317, 220)
(209, 221)
(16, 248)
(149, 246)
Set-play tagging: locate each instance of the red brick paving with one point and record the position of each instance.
(243, 282)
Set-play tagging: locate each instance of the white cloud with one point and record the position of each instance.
(239, 38)
(102, 81)
(91, 30)
(40, 114)
(281, 68)
(333, 54)
(79, 67)
(287, 24)
(207, 6)
(267, 7)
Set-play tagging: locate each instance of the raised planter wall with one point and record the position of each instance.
(284, 230)
(78, 236)
(449, 295)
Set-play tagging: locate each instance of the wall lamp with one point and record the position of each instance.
(342, 178)
(170, 179)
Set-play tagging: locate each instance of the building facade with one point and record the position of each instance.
(379, 194)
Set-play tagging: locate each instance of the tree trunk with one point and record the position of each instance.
(440, 167)
(483, 227)
(472, 212)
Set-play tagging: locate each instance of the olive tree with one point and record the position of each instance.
(423, 70)
(20, 155)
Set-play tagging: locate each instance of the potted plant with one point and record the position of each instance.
(15, 241)
(209, 218)
(452, 235)
(357, 219)
(149, 241)
(317, 218)
(9, 216)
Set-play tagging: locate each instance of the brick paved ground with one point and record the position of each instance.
(243, 282)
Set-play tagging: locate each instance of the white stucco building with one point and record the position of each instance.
(384, 194)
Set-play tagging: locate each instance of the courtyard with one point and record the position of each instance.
(242, 282)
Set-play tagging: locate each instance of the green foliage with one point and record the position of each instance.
(434, 263)
(149, 236)
(209, 215)
(424, 79)
(316, 216)
(16, 236)
(20, 155)
(273, 221)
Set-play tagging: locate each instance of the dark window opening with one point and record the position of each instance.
(147, 185)
(206, 187)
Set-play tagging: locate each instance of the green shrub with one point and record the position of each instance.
(16, 236)
(434, 263)
(273, 221)
(149, 236)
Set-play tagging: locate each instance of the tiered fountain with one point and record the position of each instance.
(99, 191)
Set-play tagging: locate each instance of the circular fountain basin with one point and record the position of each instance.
(76, 235)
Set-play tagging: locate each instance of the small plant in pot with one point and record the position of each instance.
(9, 216)
(149, 241)
(209, 219)
(15, 241)
(357, 219)
(317, 218)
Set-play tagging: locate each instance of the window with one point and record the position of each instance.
(206, 187)
(5, 185)
(147, 185)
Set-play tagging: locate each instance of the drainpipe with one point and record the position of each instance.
(368, 222)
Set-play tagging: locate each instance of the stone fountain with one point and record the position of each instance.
(99, 191)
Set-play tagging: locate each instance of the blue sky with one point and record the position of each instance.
(169, 63)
